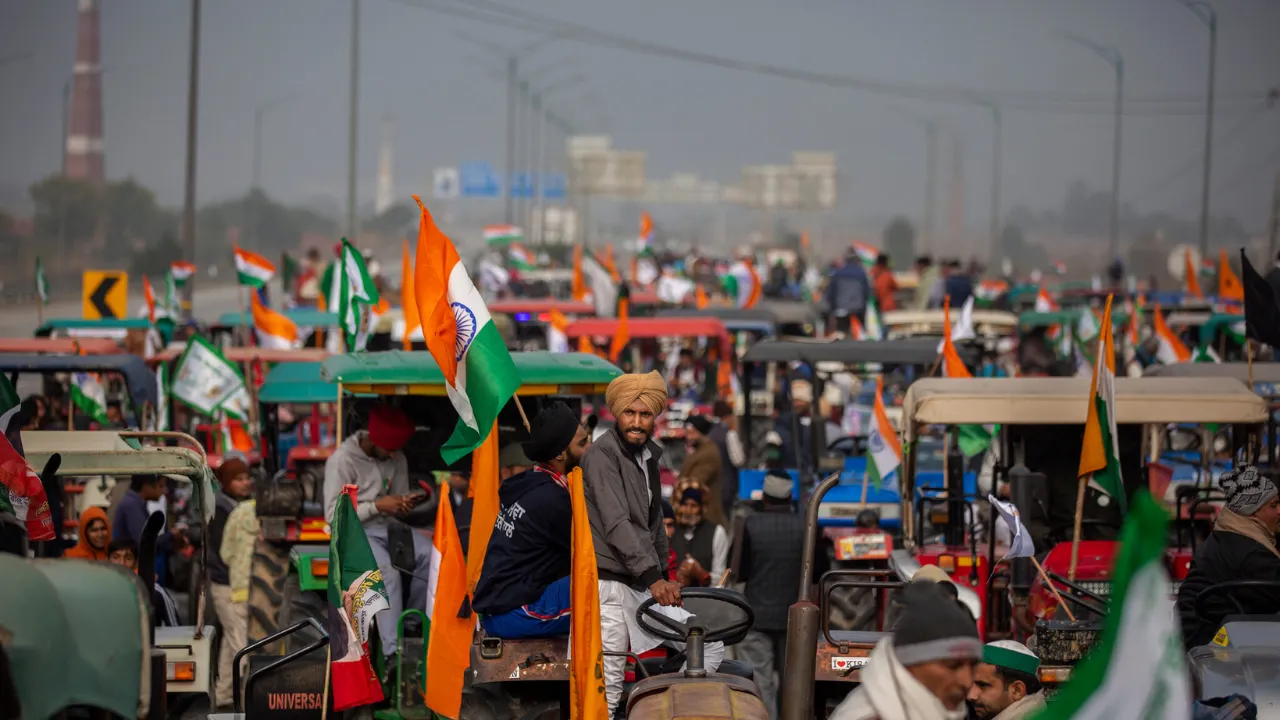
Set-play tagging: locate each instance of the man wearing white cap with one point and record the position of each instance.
(1006, 684)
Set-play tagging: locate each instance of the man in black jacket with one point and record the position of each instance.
(772, 554)
(523, 591)
(1242, 546)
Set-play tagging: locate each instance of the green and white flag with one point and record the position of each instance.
(356, 594)
(351, 295)
(42, 283)
(172, 305)
(1205, 354)
(162, 397)
(10, 404)
(1138, 670)
(206, 381)
(89, 396)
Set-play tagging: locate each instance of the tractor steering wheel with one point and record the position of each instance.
(1227, 588)
(673, 630)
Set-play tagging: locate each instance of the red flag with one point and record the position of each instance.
(23, 494)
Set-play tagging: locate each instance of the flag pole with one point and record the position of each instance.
(523, 417)
(1045, 576)
(1075, 535)
(328, 671)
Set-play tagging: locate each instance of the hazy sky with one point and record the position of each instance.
(446, 107)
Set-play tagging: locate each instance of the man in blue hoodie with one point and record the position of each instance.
(523, 590)
(848, 289)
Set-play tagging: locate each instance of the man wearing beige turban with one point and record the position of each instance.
(624, 504)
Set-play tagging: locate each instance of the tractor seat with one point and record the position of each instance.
(666, 666)
(855, 637)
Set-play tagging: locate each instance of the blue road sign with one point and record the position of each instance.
(522, 185)
(477, 179)
(554, 186)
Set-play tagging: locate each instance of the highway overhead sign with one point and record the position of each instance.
(477, 179)
(446, 183)
(105, 294)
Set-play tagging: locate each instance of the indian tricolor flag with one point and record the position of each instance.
(521, 258)
(745, 282)
(882, 442)
(644, 244)
(866, 253)
(449, 640)
(1045, 301)
(502, 234)
(478, 372)
(149, 295)
(356, 593)
(253, 269)
(182, 271)
(1100, 456)
(1171, 349)
(274, 330)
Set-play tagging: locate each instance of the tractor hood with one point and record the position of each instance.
(1243, 658)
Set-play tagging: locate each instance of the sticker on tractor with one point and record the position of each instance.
(1221, 638)
(515, 674)
(847, 663)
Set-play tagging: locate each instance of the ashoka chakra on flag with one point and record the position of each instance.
(466, 320)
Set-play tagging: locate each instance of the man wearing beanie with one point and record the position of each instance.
(1006, 684)
(924, 670)
(372, 461)
(702, 466)
(523, 591)
(1242, 546)
(620, 475)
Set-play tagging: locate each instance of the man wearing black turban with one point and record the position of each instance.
(523, 590)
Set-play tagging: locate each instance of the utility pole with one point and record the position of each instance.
(189, 192)
(1209, 17)
(353, 217)
(996, 145)
(1114, 240)
(931, 171)
(512, 99)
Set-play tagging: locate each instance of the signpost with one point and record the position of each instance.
(105, 294)
(446, 183)
(477, 179)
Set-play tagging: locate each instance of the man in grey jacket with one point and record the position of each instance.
(624, 505)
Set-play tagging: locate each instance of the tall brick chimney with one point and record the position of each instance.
(84, 159)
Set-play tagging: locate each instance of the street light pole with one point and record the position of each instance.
(189, 192)
(996, 173)
(931, 170)
(353, 218)
(1112, 56)
(1209, 17)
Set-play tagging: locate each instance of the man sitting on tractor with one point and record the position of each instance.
(372, 461)
(523, 591)
(1006, 684)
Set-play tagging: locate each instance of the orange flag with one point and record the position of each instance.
(408, 300)
(484, 507)
(149, 295)
(586, 656)
(1229, 287)
(609, 265)
(1193, 282)
(622, 335)
(700, 297)
(579, 282)
(756, 288)
(585, 345)
(952, 365)
(449, 645)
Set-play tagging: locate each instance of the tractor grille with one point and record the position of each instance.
(1102, 588)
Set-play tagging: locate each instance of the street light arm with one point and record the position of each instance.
(563, 83)
(1202, 10)
(1106, 52)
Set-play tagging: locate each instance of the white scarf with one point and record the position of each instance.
(891, 693)
(1026, 707)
